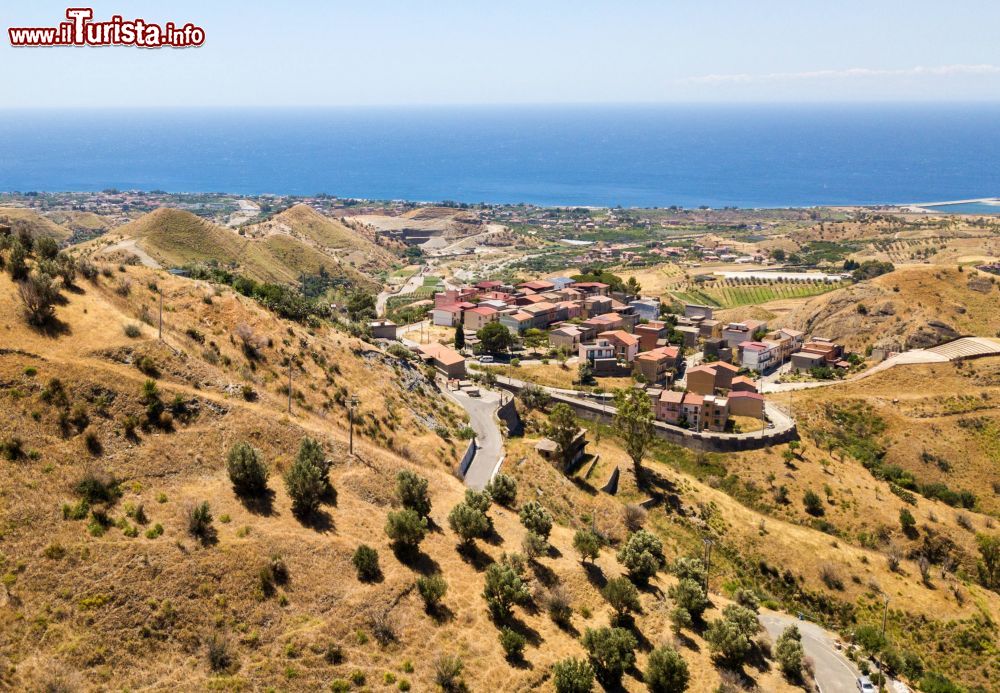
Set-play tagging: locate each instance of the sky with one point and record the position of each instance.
(312, 53)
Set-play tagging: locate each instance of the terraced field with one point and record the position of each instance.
(730, 294)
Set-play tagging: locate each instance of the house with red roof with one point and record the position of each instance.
(626, 345)
(479, 317)
(658, 365)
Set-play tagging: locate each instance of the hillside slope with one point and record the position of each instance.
(912, 307)
(308, 226)
(176, 238)
(126, 597)
(33, 222)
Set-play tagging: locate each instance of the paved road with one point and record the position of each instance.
(411, 285)
(782, 421)
(834, 672)
(489, 441)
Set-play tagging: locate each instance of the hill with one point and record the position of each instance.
(38, 225)
(175, 238)
(912, 307)
(118, 593)
(306, 225)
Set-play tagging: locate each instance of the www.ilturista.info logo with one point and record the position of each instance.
(81, 31)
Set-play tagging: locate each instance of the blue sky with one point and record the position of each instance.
(334, 53)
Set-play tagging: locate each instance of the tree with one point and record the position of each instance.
(39, 295)
(534, 545)
(306, 481)
(468, 522)
(690, 596)
(459, 337)
(641, 555)
(634, 423)
(730, 637)
(534, 397)
(536, 518)
(503, 489)
(365, 561)
(585, 372)
(360, 305)
(690, 568)
(504, 588)
(632, 286)
(680, 619)
(812, 503)
(989, 560)
(495, 338)
(534, 338)
(200, 520)
(411, 490)
(17, 263)
(788, 652)
(573, 676)
(247, 470)
(906, 521)
(622, 596)
(46, 248)
(480, 500)
(587, 544)
(563, 430)
(406, 528)
(666, 671)
(512, 643)
(612, 651)
(432, 589)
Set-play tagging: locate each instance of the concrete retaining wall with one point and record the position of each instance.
(705, 441)
(507, 413)
(470, 453)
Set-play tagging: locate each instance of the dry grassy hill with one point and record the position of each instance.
(912, 307)
(34, 222)
(330, 236)
(175, 238)
(121, 603)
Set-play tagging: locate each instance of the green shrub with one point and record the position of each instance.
(406, 528)
(411, 489)
(247, 470)
(573, 676)
(199, 517)
(512, 643)
(788, 652)
(536, 518)
(622, 596)
(133, 331)
(666, 671)
(432, 589)
(219, 657)
(98, 488)
(730, 637)
(307, 480)
(505, 587)
(365, 561)
(587, 544)
(468, 522)
(503, 489)
(641, 555)
(612, 652)
(690, 596)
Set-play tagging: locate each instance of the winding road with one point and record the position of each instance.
(489, 441)
(834, 672)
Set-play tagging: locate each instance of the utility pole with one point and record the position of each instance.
(878, 661)
(353, 402)
(289, 384)
(161, 315)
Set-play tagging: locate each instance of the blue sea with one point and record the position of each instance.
(745, 156)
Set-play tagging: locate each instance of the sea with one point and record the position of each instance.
(634, 156)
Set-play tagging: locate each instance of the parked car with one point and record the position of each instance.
(865, 685)
(485, 359)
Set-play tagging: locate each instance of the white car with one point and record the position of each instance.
(865, 685)
(485, 359)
